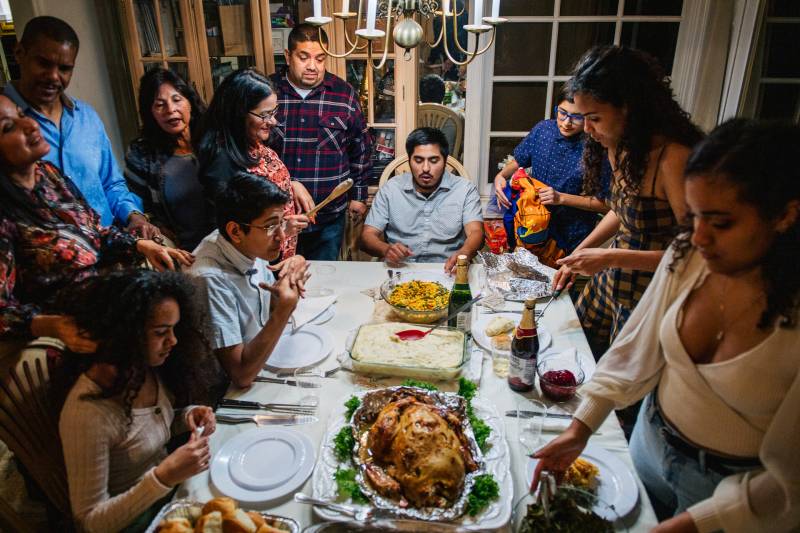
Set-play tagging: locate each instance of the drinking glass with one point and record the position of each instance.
(530, 419)
(309, 382)
(500, 359)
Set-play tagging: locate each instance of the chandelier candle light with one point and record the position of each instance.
(407, 32)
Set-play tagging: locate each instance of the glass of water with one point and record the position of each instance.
(530, 419)
(309, 383)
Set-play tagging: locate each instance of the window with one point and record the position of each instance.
(773, 91)
(535, 52)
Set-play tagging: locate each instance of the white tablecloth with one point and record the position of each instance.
(354, 308)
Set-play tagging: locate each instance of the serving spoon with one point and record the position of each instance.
(415, 334)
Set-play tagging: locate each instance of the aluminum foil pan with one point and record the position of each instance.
(523, 289)
(363, 418)
(190, 510)
(517, 276)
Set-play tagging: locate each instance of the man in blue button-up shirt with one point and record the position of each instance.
(78, 140)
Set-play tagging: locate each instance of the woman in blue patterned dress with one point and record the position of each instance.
(553, 150)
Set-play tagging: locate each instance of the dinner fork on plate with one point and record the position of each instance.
(294, 408)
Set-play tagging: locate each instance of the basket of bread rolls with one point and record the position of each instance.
(220, 515)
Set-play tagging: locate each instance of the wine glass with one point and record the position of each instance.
(530, 419)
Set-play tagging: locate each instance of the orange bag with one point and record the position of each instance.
(532, 220)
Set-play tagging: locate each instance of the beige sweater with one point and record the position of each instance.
(747, 406)
(110, 466)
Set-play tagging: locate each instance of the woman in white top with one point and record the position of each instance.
(716, 345)
(119, 416)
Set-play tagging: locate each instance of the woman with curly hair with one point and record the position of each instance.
(235, 138)
(633, 121)
(118, 415)
(714, 346)
(160, 165)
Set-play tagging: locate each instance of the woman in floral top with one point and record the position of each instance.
(236, 132)
(51, 238)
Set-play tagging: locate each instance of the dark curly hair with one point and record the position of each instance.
(758, 159)
(114, 310)
(152, 134)
(624, 77)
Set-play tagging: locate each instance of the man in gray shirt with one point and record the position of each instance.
(247, 308)
(427, 216)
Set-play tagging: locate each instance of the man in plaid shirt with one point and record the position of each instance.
(322, 138)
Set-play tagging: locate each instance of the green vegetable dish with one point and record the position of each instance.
(566, 516)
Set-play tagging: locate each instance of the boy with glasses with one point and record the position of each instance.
(247, 307)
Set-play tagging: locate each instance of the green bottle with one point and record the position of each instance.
(461, 295)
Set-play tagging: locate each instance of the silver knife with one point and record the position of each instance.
(531, 414)
(268, 420)
(281, 381)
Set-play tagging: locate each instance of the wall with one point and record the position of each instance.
(90, 82)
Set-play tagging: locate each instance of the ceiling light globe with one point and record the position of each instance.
(408, 33)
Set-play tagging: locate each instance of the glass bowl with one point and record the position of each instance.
(560, 375)
(585, 503)
(410, 315)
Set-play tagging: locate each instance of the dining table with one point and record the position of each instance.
(354, 285)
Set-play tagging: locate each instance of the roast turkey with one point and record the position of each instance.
(416, 453)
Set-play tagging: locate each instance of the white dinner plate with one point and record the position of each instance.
(480, 337)
(324, 316)
(616, 483)
(306, 347)
(263, 464)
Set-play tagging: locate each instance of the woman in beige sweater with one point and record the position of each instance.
(715, 346)
(119, 414)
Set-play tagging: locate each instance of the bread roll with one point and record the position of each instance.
(174, 525)
(223, 505)
(502, 342)
(237, 522)
(209, 523)
(257, 519)
(499, 325)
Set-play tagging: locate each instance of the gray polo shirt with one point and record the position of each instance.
(433, 226)
(228, 283)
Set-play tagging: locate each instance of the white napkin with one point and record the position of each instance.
(555, 424)
(310, 308)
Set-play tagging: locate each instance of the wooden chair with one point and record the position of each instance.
(29, 425)
(445, 119)
(400, 165)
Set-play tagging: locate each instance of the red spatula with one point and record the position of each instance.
(415, 334)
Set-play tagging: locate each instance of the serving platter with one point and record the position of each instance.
(497, 460)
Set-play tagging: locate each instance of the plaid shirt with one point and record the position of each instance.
(323, 140)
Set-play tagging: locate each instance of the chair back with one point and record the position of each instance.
(29, 424)
(443, 118)
(400, 165)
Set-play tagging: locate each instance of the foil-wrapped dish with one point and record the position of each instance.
(518, 275)
(415, 452)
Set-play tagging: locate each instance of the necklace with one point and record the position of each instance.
(723, 326)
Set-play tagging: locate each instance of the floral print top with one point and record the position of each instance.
(37, 261)
(271, 167)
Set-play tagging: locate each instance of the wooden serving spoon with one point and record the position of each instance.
(415, 334)
(340, 189)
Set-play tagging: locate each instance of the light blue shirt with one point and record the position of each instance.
(228, 283)
(79, 146)
(432, 226)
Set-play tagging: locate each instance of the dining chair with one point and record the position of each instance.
(441, 117)
(29, 425)
(400, 165)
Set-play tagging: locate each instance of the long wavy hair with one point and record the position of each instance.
(114, 311)
(224, 127)
(758, 159)
(634, 80)
(151, 133)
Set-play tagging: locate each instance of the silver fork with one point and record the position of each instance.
(276, 407)
(328, 373)
(361, 515)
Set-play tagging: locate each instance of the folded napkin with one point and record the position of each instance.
(310, 308)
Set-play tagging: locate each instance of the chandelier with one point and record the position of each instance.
(407, 32)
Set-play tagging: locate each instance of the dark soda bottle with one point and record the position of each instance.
(524, 350)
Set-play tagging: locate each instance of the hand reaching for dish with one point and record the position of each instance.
(562, 451)
(185, 462)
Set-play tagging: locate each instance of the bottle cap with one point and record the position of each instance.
(461, 260)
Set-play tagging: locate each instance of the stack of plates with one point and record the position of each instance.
(263, 464)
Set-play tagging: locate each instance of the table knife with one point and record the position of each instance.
(282, 381)
(531, 414)
(268, 420)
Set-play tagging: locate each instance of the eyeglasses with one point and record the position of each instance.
(269, 229)
(562, 115)
(269, 115)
